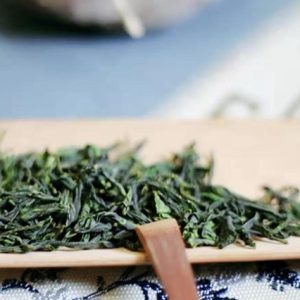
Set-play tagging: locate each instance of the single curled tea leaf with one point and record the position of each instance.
(92, 197)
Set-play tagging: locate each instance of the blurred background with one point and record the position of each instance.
(189, 59)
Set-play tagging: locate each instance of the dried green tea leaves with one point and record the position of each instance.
(82, 198)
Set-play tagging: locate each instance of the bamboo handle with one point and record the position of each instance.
(165, 248)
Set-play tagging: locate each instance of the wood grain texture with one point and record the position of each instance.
(248, 154)
(165, 248)
(264, 251)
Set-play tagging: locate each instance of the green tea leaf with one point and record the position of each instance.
(90, 197)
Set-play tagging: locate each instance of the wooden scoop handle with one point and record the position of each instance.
(165, 248)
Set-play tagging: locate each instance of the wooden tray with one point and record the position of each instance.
(248, 155)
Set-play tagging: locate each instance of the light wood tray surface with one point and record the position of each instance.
(248, 154)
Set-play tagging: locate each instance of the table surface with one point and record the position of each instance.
(50, 71)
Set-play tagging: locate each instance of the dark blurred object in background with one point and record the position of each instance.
(135, 16)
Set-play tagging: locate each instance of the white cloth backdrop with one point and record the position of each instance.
(260, 77)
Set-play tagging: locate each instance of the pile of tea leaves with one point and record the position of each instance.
(84, 198)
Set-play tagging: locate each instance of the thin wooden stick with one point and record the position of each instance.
(165, 248)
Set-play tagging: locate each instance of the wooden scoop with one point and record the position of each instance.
(165, 248)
